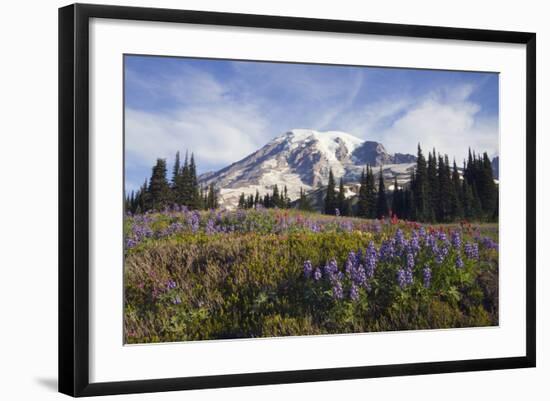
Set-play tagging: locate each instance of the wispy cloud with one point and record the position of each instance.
(444, 118)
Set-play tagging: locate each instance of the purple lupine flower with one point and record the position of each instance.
(131, 243)
(414, 243)
(401, 279)
(317, 275)
(431, 243)
(350, 263)
(441, 236)
(422, 233)
(410, 261)
(308, 269)
(331, 269)
(441, 254)
(458, 262)
(313, 226)
(427, 276)
(337, 212)
(359, 276)
(346, 225)
(370, 251)
(337, 290)
(210, 227)
(194, 221)
(489, 243)
(471, 250)
(354, 292)
(171, 284)
(409, 279)
(370, 260)
(456, 240)
(400, 241)
(176, 300)
(387, 251)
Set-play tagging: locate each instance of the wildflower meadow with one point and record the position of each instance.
(225, 274)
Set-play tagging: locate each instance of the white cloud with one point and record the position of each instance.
(217, 136)
(444, 118)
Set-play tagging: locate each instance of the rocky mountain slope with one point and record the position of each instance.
(303, 158)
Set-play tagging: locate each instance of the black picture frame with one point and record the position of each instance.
(74, 201)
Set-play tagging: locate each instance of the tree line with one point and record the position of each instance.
(183, 188)
(436, 192)
(277, 199)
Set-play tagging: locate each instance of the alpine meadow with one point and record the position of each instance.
(283, 199)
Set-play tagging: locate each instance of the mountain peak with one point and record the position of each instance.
(300, 158)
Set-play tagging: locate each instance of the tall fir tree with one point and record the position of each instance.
(330, 197)
(488, 189)
(397, 200)
(183, 186)
(432, 187)
(381, 200)
(175, 176)
(212, 198)
(193, 184)
(362, 206)
(443, 212)
(420, 187)
(304, 202)
(341, 199)
(371, 194)
(242, 201)
(275, 197)
(457, 204)
(159, 189)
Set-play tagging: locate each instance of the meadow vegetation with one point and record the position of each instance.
(202, 275)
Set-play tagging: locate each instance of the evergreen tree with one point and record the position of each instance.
(267, 201)
(397, 200)
(212, 198)
(477, 210)
(488, 189)
(443, 212)
(176, 173)
(362, 206)
(432, 187)
(286, 199)
(142, 199)
(182, 185)
(457, 204)
(330, 198)
(409, 201)
(159, 190)
(257, 198)
(381, 202)
(304, 202)
(242, 201)
(193, 184)
(420, 188)
(407, 205)
(203, 196)
(341, 199)
(371, 194)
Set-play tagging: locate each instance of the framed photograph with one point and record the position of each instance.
(250, 199)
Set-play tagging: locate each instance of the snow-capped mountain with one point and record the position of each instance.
(303, 158)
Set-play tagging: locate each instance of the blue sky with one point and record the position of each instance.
(224, 110)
